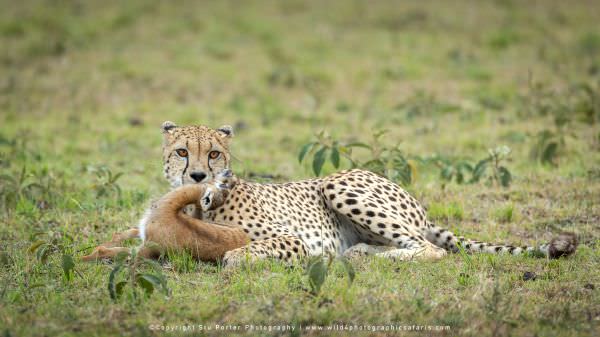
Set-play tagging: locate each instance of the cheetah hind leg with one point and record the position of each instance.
(363, 249)
(427, 252)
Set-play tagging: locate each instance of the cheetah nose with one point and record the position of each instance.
(198, 176)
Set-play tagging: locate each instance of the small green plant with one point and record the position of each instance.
(547, 146)
(135, 272)
(505, 213)
(387, 161)
(18, 149)
(106, 181)
(465, 278)
(394, 164)
(38, 187)
(457, 171)
(14, 187)
(579, 102)
(422, 103)
(585, 99)
(54, 242)
(499, 309)
(499, 175)
(491, 168)
(318, 269)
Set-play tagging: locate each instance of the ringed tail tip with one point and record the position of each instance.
(564, 244)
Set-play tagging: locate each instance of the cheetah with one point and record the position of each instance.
(351, 213)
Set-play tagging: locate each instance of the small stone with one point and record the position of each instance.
(42, 205)
(529, 276)
(135, 121)
(4, 259)
(240, 126)
(325, 302)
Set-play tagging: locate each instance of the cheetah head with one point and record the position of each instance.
(194, 154)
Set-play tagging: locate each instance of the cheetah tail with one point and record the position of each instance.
(564, 244)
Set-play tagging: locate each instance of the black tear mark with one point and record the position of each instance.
(186, 164)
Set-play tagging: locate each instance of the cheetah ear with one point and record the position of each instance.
(225, 131)
(168, 126)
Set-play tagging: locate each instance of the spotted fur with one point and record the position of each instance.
(355, 212)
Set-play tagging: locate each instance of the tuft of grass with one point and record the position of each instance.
(505, 213)
(504, 38)
(447, 212)
(182, 262)
(589, 44)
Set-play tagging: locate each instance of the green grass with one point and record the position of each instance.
(505, 213)
(453, 211)
(84, 87)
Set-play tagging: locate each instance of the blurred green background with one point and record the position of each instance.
(444, 77)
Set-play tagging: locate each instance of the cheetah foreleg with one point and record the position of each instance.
(216, 193)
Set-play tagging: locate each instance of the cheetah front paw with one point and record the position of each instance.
(216, 193)
(237, 257)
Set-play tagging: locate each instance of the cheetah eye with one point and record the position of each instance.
(182, 152)
(214, 154)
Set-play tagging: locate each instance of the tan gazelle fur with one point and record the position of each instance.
(167, 227)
